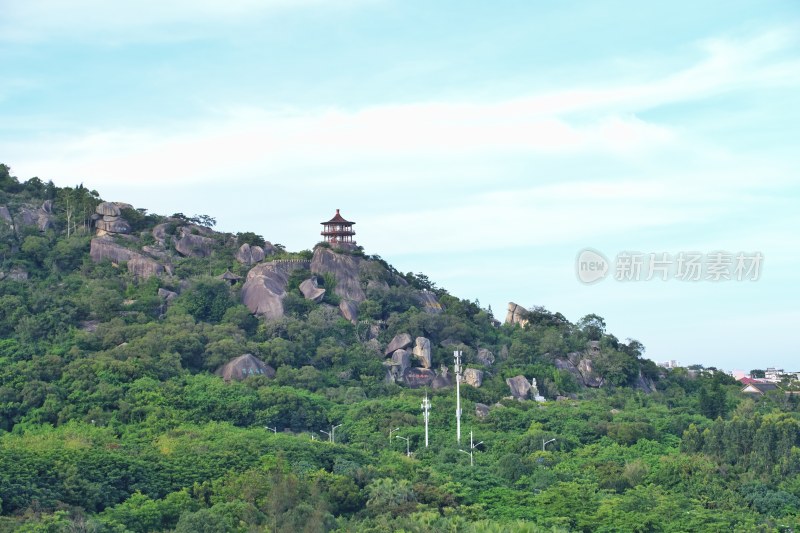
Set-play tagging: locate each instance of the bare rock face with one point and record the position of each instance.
(442, 379)
(167, 295)
(191, 245)
(139, 265)
(485, 357)
(250, 255)
(429, 302)
(473, 376)
(16, 274)
(5, 215)
(117, 225)
(311, 291)
(520, 387)
(349, 310)
(399, 342)
(108, 209)
(418, 377)
(345, 269)
(422, 351)
(516, 314)
(160, 233)
(397, 366)
(245, 366)
(590, 377)
(265, 288)
(481, 410)
(645, 384)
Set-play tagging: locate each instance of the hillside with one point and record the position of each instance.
(157, 375)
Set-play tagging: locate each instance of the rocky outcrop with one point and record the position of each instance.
(644, 384)
(108, 219)
(400, 341)
(472, 376)
(517, 314)
(265, 287)
(519, 386)
(139, 265)
(481, 410)
(5, 215)
(422, 351)
(429, 303)
(345, 269)
(418, 377)
(581, 368)
(442, 379)
(243, 367)
(485, 357)
(397, 365)
(167, 295)
(312, 291)
(349, 310)
(15, 274)
(191, 245)
(250, 255)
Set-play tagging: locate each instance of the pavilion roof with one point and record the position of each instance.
(337, 219)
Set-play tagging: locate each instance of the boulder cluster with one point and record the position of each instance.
(108, 219)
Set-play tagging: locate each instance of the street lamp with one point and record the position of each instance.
(546, 443)
(408, 445)
(274, 430)
(331, 434)
(471, 463)
(390, 435)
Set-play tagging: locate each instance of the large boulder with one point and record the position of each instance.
(102, 248)
(590, 377)
(422, 351)
(485, 357)
(250, 255)
(519, 386)
(349, 310)
(429, 303)
(400, 341)
(117, 225)
(5, 215)
(442, 379)
(481, 410)
(109, 209)
(418, 377)
(245, 366)
(517, 314)
(312, 291)
(345, 269)
(264, 290)
(191, 245)
(473, 376)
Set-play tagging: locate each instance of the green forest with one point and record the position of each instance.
(113, 417)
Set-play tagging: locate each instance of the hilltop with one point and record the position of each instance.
(156, 374)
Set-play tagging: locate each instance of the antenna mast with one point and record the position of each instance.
(457, 368)
(426, 413)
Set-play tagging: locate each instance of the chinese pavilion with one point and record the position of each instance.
(338, 230)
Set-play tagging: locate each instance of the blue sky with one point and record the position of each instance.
(484, 144)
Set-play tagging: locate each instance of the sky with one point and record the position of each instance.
(485, 144)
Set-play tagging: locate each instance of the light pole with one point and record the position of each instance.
(457, 369)
(390, 435)
(274, 430)
(546, 443)
(407, 439)
(331, 434)
(426, 413)
(471, 449)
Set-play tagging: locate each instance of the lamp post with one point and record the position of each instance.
(390, 435)
(408, 445)
(274, 430)
(546, 443)
(332, 434)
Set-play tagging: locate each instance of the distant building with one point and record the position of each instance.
(338, 230)
(759, 388)
(773, 374)
(672, 363)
